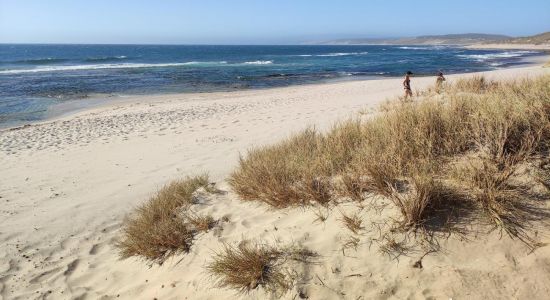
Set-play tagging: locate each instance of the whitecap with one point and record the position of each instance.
(490, 56)
(411, 48)
(105, 66)
(259, 62)
(342, 54)
(422, 48)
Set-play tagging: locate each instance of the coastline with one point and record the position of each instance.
(68, 182)
(541, 47)
(75, 107)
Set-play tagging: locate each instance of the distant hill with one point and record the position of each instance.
(539, 39)
(459, 39)
(447, 39)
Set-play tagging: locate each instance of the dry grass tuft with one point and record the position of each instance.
(392, 247)
(277, 171)
(351, 242)
(299, 170)
(157, 229)
(252, 265)
(504, 203)
(321, 216)
(419, 201)
(247, 266)
(352, 222)
(354, 186)
(200, 223)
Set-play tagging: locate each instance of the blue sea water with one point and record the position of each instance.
(34, 78)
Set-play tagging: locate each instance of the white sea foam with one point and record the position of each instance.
(333, 54)
(259, 62)
(490, 56)
(342, 54)
(106, 66)
(411, 48)
(422, 48)
(204, 63)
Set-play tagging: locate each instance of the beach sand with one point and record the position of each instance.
(67, 184)
(511, 46)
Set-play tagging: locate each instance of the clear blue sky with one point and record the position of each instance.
(260, 21)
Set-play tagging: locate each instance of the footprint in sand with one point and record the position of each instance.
(44, 276)
(245, 223)
(71, 267)
(95, 249)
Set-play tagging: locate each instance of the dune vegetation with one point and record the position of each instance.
(473, 153)
(251, 264)
(470, 152)
(164, 225)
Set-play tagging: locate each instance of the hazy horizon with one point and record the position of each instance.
(247, 22)
(303, 43)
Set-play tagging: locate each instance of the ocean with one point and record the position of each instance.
(35, 79)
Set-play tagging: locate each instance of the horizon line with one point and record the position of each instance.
(304, 43)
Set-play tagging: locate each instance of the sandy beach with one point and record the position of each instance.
(67, 184)
(511, 46)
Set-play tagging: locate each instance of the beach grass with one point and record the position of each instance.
(247, 266)
(163, 226)
(251, 265)
(352, 222)
(410, 153)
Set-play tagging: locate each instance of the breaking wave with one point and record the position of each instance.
(491, 56)
(106, 66)
(333, 54)
(259, 62)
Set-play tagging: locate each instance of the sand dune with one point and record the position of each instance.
(66, 185)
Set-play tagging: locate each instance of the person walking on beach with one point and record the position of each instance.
(439, 82)
(407, 85)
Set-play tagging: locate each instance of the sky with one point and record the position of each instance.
(260, 21)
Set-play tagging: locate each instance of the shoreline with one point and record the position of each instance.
(540, 47)
(67, 109)
(67, 185)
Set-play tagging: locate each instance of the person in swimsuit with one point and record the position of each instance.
(439, 82)
(407, 85)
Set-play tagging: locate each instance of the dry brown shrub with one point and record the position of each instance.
(271, 174)
(475, 84)
(415, 204)
(297, 171)
(157, 229)
(251, 265)
(504, 203)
